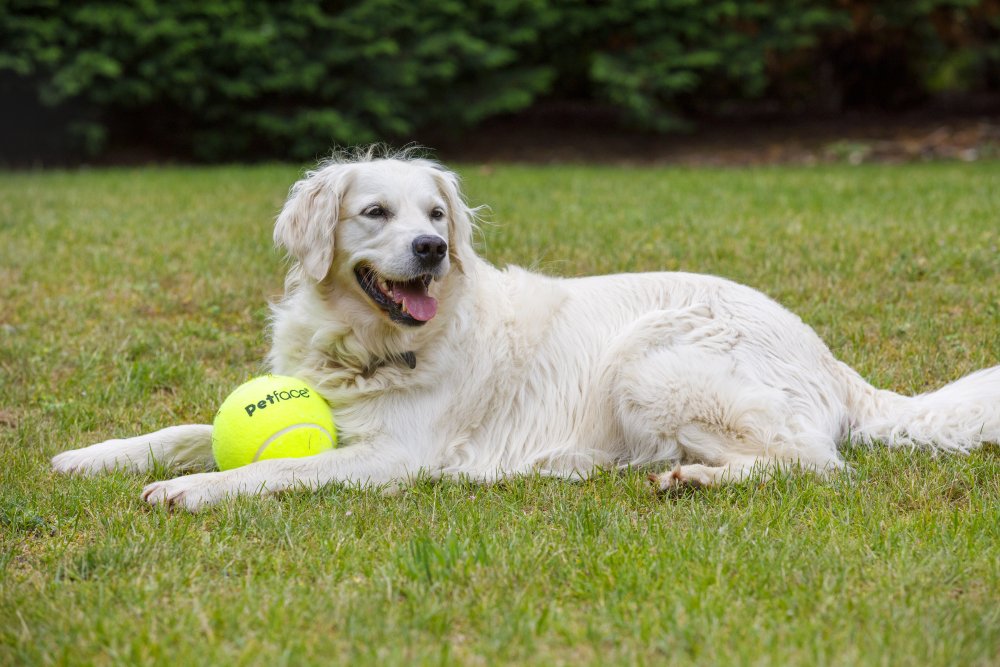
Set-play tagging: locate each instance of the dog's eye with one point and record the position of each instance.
(375, 211)
(437, 213)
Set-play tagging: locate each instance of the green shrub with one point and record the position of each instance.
(244, 78)
(239, 77)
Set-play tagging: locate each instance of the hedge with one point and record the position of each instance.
(244, 78)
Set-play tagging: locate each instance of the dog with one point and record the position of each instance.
(436, 363)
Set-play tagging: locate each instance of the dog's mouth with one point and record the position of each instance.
(404, 301)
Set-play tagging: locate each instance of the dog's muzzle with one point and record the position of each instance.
(404, 301)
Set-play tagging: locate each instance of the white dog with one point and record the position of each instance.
(436, 362)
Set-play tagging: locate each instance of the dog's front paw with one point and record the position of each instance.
(191, 492)
(102, 457)
(73, 461)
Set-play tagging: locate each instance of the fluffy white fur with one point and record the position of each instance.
(520, 372)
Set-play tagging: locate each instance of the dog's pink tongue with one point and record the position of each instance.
(419, 304)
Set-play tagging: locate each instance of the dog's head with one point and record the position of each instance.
(387, 232)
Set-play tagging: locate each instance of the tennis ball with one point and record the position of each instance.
(271, 417)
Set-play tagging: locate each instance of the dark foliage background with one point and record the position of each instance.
(239, 79)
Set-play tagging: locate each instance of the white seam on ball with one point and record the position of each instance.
(260, 450)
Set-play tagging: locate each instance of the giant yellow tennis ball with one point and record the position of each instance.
(271, 417)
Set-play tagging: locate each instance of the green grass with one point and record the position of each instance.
(135, 299)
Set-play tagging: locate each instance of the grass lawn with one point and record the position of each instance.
(136, 299)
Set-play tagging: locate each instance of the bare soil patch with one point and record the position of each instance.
(584, 135)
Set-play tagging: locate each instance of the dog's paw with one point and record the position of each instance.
(191, 492)
(99, 458)
(73, 461)
(680, 477)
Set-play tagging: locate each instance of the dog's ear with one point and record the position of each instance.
(305, 227)
(460, 219)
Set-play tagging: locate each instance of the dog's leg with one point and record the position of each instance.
(362, 464)
(181, 447)
(697, 475)
(724, 444)
(679, 393)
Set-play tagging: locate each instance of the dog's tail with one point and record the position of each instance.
(956, 418)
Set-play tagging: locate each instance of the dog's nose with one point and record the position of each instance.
(430, 250)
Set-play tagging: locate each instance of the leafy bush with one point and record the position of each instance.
(239, 78)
